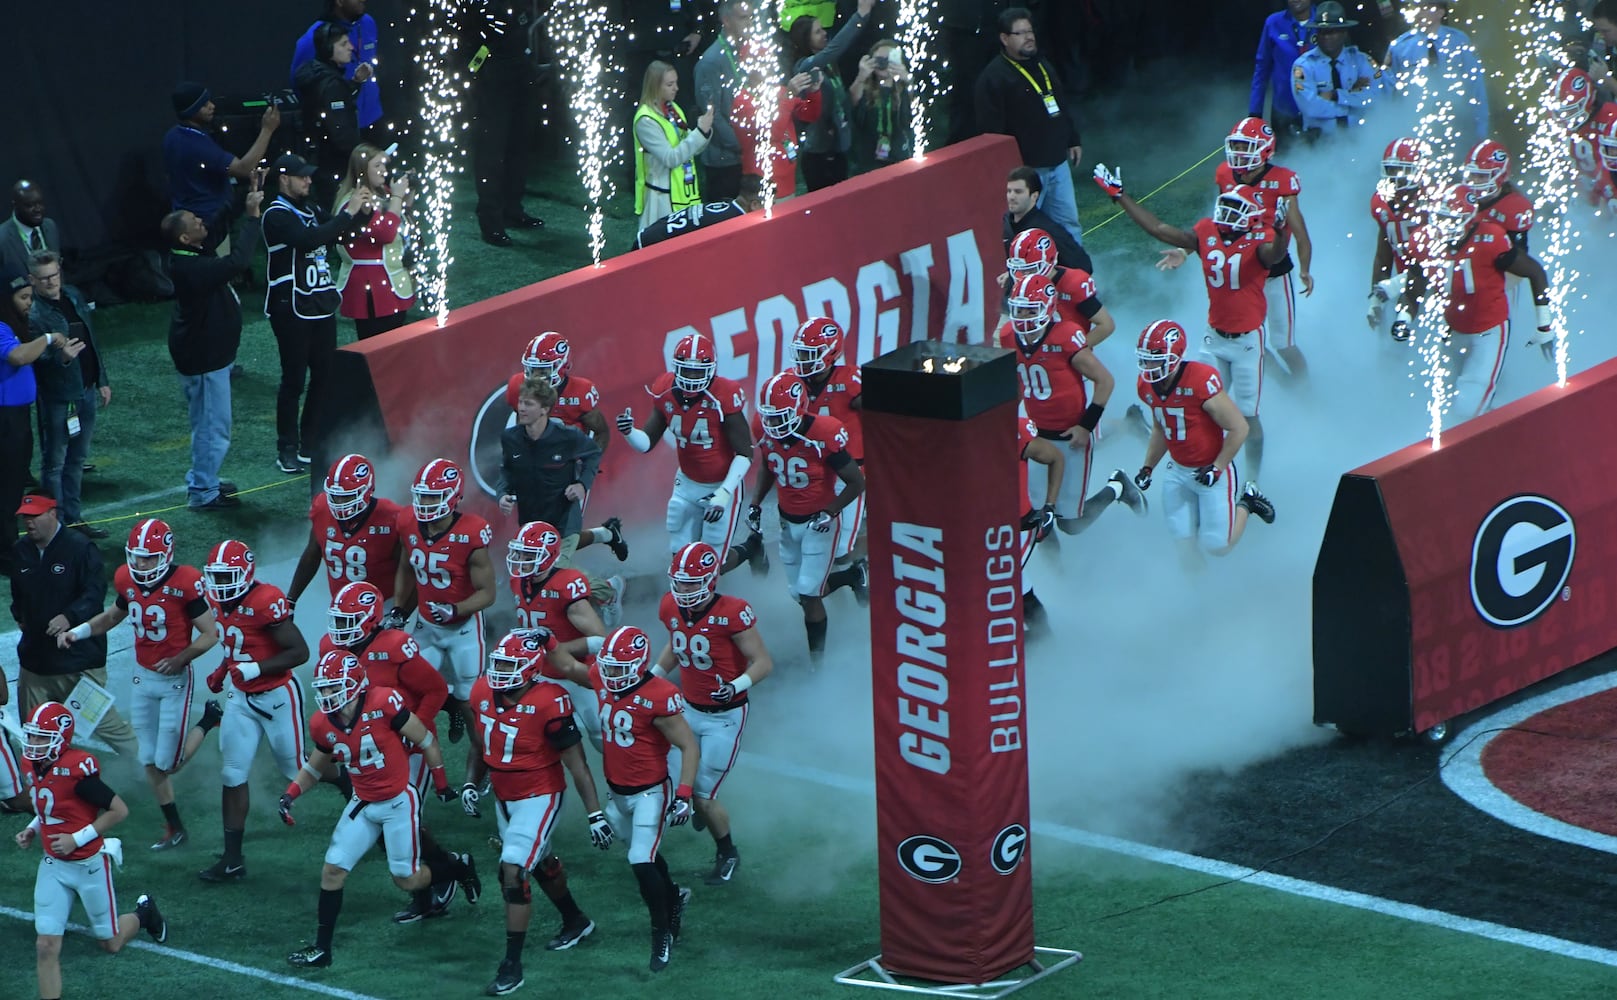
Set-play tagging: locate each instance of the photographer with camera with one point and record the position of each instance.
(881, 109)
(826, 142)
(200, 170)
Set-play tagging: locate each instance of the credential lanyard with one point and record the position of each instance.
(1048, 94)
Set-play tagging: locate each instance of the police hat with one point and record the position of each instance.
(1329, 16)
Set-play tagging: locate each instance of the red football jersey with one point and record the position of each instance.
(805, 464)
(366, 549)
(162, 616)
(57, 803)
(836, 398)
(1476, 285)
(1026, 432)
(1235, 277)
(517, 740)
(371, 746)
(1052, 390)
(706, 649)
(244, 631)
(575, 397)
(392, 659)
(442, 565)
(1398, 219)
(634, 751)
(696, 425)
(1593, 175)
(544, 603)
(1274, 183)
(1511, 211)
(1074, 287)
(1194, 437)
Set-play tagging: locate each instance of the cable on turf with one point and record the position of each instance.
(142, 514)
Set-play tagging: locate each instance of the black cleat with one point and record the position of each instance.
(1257, 504)
(287, 462)
(861, 582)
(570, 934)
(507, 980)
(221, 871)
(151, 920)
(212, 712)
(457, 725)
(724, 867)
(1131, 497)
(311, 957)
(469, 881)
(619, 547)
(171, 839)
(662, 950)
(682, 899)
(757, 555)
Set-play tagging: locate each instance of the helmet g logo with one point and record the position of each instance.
(366, 598)
(1010, 844)
(1520, 560)
(928, 859)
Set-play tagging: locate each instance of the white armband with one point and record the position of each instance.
(426, 741)
(80, 631)
(657, 670)
(1545, 316)
(738, 472)
(84, 834)
(594, 643)
(33, 824)
(638, 440)
(741, 683)
(311, 772)
(248, 669)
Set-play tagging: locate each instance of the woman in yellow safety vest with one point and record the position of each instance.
(665, 147)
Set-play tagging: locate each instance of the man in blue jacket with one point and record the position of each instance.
(362, 32)
(1286, 35)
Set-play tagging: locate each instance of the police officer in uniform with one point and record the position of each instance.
(1333, 82)
(504, 78)
(1439, 63)
(301, 301)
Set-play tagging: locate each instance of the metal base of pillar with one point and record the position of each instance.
(871, 973)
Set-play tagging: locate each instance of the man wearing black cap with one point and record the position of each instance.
(199, 169)
(59, 584)
(302, 299)
(1333, 82)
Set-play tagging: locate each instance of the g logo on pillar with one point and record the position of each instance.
(1520, 559)
(929, 859)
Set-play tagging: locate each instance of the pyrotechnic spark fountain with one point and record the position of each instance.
(761, 64)
(916, 33)
(442, 91)
(581, 31)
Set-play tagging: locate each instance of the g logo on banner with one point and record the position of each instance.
(1009, 847)
(928, 859)
(494, 416)
(1520, 559)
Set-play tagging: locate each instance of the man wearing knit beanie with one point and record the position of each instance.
(200, 171)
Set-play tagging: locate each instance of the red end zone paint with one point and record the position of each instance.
(1569, 779)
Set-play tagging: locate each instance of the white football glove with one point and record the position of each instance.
(469, 797)
(718, 503)
(1376, 308)
(821, 522)
(1110, 181)
(600, 830)
(626, 421)
(679, 812)
(441, 612)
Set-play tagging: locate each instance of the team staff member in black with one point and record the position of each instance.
(60, 583)
(504, 78)
(301, 301)
(330, 104)
(546, 467)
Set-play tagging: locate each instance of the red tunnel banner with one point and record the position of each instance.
(906, 253)
(1451, 578)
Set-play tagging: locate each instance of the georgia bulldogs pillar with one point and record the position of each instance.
(946, 654)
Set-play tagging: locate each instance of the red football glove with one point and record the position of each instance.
(216, 680)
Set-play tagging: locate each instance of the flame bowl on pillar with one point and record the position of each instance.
(929, 378)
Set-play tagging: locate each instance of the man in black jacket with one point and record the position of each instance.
(1020, 95)
(330, 105)
(59, 584)
(301, 302)
(1022, 189)
(203, 338)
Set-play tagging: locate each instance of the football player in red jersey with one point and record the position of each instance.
(262, 646)
(1037, 522)
(705, 414)
(1034, 252)
(642, 717)
(1236, 254)
(578, 404)
(714, 643)
(13, 797)
(525, 736)
(557, 600)
(1052, 361)
(447, 578)
(166, 605)
(366, 728)
(73, 810)
(1247, 152)
(1463, 262)
(834, 390)
(1200, 429)
(353, 533)
(805, 455)
(1574, 104)
(1399, 209)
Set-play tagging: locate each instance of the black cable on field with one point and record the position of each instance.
(1267, 866)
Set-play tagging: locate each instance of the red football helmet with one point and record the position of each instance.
(548, 356)
(1403, 162)
(150, 539)
(623, 658)
(1239, 208)
(816, 346)
(1606, 142)
(356, 612)
(1571, 99)
(1161, 350)
(436, 491)
(349, 486)
(515, 661)
(782, 405)
(1032, 252)
(1033, 305)
(338, 680)
(533, 551)
(695, 361)
(1486, 167)
(1454, 211)
(1249, 145)
(228, 573)
(47, 732)
(693, 576)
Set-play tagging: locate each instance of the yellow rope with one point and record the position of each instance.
(1166, 184)
(142, 514)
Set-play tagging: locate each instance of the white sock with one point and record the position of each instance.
(602, 535)
(1116, 488)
